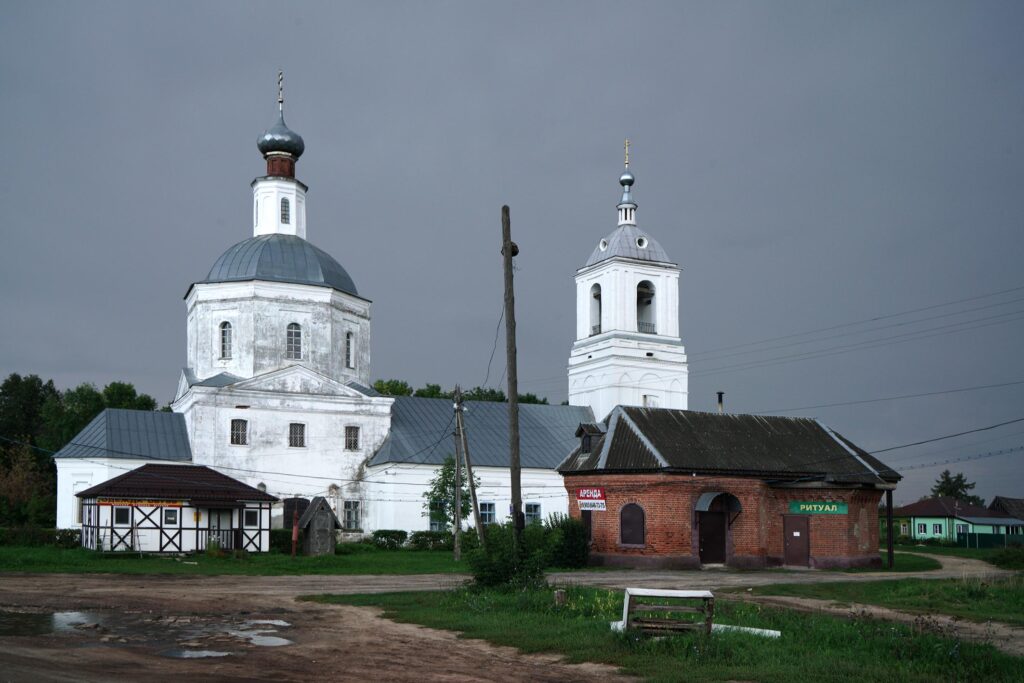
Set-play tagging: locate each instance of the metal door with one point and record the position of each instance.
(796, 540)
(711, 537)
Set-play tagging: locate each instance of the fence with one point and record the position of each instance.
(974, 540)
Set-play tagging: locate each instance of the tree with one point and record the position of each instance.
(392, 387)
(440, 495)
(21, 407)
(432, 391)
(955, 487)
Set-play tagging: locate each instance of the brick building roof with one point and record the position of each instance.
(664, 440)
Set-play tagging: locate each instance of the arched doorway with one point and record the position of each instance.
(715, 511)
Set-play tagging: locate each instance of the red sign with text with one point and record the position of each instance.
(591, 498)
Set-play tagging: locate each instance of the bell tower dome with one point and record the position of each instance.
(279, 199)
(627, 349)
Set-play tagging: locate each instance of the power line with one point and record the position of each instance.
(965, 458)
(948, 436)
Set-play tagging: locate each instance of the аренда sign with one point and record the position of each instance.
(808, 507)
(591, 498)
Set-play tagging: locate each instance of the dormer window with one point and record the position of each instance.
(286, 211)
(585, 443)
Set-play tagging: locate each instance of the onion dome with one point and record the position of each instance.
(280, 258)
(280, 139)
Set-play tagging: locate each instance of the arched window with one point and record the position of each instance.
(293, 349)
(256, 210)
(645, 308)
(286, 211)
(595, 310)
(631, 525)
(225, 340)
(350, 350)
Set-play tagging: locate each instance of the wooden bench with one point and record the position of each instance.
(641, 605)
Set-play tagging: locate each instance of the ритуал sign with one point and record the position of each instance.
(810, 507)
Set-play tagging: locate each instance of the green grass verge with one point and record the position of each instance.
(972, 553)
(1000, 599)
(812, 646)
(902, 562)
(369, 561)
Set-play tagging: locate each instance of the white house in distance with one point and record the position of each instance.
(275, 390)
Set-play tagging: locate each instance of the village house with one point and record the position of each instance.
(946, 517)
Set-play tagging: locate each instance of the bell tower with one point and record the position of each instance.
(627, 349)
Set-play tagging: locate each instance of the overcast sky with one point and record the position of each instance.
(808, 165)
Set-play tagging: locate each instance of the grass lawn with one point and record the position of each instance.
(973, 553)
(369, 561)
(902, 562)
(813, 647)
(996, 599)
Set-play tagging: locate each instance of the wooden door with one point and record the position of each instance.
(711, 537)
(796, 540)
(220, 529)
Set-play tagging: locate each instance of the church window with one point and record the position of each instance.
(650, 401)
(286, 211)
(239, 432)
(293, 350)
(631, 525)
(256, 210)
(297, 435)
(645, 308)
(351, 515)
(351, 438)
(595, 310)
(488, 513)
(225, 340)
(532, 514)
(350, 342)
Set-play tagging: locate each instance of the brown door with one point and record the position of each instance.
(588, 524)
(796, 540)
(711, 536)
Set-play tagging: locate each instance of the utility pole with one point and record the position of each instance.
(460, 429)
(888, 526)
(509, 250)
(457, 528)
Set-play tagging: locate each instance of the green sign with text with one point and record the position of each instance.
(806, 507)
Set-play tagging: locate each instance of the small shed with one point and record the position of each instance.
(320, 526)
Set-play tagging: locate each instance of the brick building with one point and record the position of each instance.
(681, 488)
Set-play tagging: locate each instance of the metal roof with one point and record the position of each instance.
(421, 431)
(1002, 521)
(131, 434)
(1009, 506)
(944, 506)
(280, 258)
(653, 439)
(177, 482)
(281, 138)
(625, 241)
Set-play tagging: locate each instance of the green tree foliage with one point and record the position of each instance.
(432, 391)
(440, 496)
(955, 486)
(392, 387)
(21, 408)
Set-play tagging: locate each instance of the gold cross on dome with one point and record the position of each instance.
(626, 146)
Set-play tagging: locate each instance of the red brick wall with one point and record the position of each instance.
(282, 166)
(755, 537)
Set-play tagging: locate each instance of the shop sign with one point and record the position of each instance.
(810, 507)
(142, 503)
(591, 498)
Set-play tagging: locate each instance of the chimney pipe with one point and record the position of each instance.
(721, 403)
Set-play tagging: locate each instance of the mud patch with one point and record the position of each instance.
(41, 624)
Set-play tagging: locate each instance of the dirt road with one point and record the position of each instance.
(138, 627)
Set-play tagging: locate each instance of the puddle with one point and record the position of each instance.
(267, 622)
(28, 624)
(258, 638)
(193, 654)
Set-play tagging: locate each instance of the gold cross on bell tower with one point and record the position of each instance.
(626, 147)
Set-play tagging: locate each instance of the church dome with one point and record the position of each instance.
(628, 241)
(281, 139)
(280, 258)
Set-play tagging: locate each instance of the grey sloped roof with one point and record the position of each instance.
(1001, 521)
(318, 503)
(131, 434)
(280, 258)
(362, 389)
(623, 241)
(417, 424)
(653, 439)
(1010, 506)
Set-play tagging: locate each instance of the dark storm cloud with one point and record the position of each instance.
(807, 165)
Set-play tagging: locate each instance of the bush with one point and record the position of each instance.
(281, 541)
(567, 542)
(390, 539)
(434, 540)
(500, 565)
(1010, 558)
(39, 536)
(364, 546)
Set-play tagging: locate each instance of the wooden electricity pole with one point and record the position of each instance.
(460, 430)
(509, 250)
(457, 527)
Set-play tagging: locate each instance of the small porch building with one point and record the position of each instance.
(161, 508)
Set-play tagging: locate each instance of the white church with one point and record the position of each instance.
(276, 391)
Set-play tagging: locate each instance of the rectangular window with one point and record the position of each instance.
(436, 525)
(961, 528)
(351, 438)
(904, 529)
(922, 528)
(532, 513)
(239, 432)
(937, 529)
(170, 517)
(122, 516)
(251, 518)
(350, 361)
(997, 529)
(487, 513)
(351, 519)
(297, 435)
